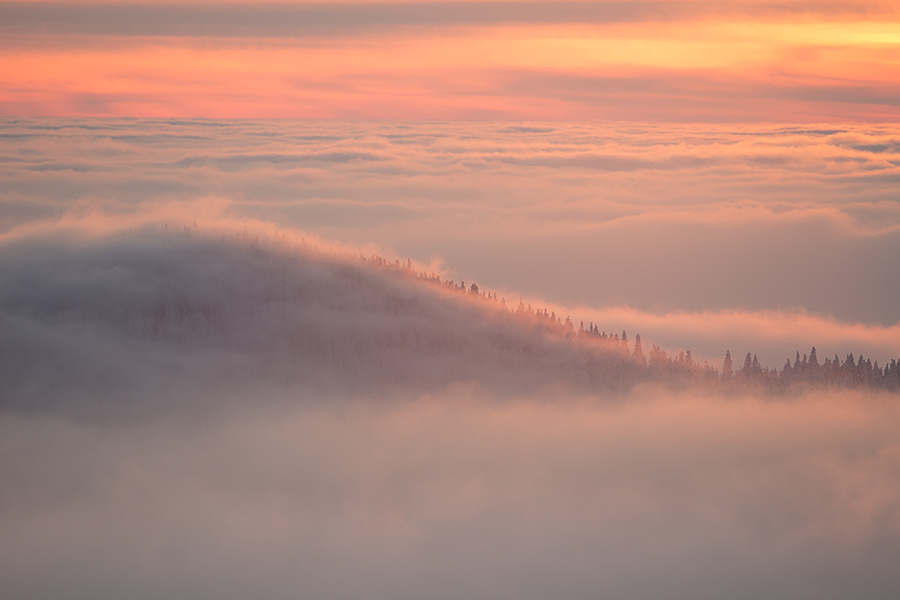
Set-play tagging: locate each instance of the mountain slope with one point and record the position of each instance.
(151, 318)
(159, 314)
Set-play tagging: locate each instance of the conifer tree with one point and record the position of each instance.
(638, 354)
(727, 366)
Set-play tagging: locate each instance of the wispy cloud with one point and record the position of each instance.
(289, 19)
(655, 61)
(773, 335)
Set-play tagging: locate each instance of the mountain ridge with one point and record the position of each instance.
(191, 313)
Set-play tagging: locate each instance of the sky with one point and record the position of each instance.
(654, 60)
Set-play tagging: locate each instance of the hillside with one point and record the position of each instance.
(199, 415)
(159, 314)
(154, 317)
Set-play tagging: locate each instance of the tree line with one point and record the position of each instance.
(681, 369)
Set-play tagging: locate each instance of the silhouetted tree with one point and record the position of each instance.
(638, 354)
(748, 365)
(727, 366)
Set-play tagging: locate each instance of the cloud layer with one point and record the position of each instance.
(648, 60)
(783, 236)
(178, 419)
(292, 19)
(676, 497)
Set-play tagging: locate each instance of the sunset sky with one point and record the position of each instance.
(654, 60)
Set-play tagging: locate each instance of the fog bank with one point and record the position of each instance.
(455, 495)
(95, 315)
(223, 414)
(91, 320)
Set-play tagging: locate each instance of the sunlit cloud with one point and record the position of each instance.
(683, 61)
(772, 335)
(661, 218)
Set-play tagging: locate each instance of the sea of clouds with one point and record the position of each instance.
(193, 401)
(457, 496)
(749, 238)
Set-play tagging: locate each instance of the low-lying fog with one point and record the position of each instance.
(182, 417)
(458, 495)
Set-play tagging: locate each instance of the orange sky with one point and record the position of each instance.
(626, 60)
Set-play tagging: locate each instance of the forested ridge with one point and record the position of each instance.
(657, 365)
(170, 313)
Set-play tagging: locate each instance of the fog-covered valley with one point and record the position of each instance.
(454, 495)
(228, 413)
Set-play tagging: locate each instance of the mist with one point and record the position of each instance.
(96, 317)
(457, 494)
(229, 413)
